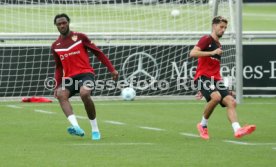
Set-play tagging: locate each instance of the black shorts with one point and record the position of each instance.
(207, 86)
(74, 83)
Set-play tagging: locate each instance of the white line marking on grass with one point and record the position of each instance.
(151, 128)
(81, 117)
(236, 142)
(44, 112)
(273, 148)
(147, 103)
(112, 144)
(13, 106)
(114, 122)
(189, 134)
(248, 143)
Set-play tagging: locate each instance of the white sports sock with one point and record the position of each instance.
(73, 120)
(94, 125)
(204, 122)
(236, 126)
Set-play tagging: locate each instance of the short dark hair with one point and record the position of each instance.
(218, 19)
(61, 15)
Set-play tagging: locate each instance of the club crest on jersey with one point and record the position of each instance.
(74, 38)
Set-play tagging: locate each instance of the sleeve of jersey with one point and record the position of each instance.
(204, 42)
(99, 54)
(58, 70)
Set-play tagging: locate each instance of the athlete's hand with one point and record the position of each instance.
(115, 75)
(198, 95)
(218, 51)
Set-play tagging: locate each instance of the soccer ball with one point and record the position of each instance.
(211, 2)
(175, 12)
(128, 94)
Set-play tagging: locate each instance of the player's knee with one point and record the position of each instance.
(229, 101)
(232, 102)
(216, 97)
(61, 97)
(85, 94)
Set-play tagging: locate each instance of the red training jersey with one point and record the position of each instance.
(72, 58)
(208, 66)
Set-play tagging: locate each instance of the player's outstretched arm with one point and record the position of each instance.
(104, 59)
(100, 56)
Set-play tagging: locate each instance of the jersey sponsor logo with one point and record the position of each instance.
(58, 44)
(74, 38)
(63, 56)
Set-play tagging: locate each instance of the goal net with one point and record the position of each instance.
(148, 42)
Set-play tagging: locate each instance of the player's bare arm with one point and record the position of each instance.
(196, 52)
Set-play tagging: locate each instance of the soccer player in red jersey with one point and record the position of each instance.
(209, 51)
(74, 74)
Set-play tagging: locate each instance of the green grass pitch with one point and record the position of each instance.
(35, 135)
